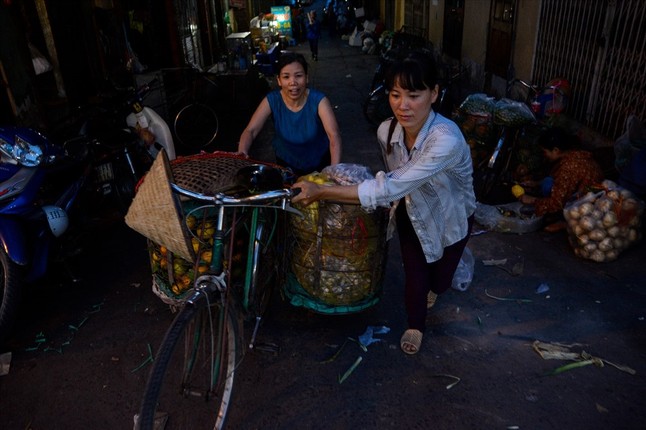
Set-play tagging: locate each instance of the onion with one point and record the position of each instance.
(590, 247)
(587, 223)
(586, 208)
(604, 204)
(619, 243)
(614, 194)
(606, 244)
(613, 231)
(598, 256)
(612, 254)
(609, 219)
(573, 213)
(583, 239)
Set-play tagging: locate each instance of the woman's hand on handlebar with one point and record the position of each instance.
(306, 192)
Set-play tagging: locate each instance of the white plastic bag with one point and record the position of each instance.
(464, 273)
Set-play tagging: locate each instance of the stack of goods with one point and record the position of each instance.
(339, 249)
(604, 223)
(475, 119)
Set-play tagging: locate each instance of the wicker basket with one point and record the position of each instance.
(174, 272)
(338, 257)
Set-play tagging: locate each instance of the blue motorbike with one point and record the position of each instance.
(40, 184)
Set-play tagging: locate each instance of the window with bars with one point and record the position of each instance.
(600, 47)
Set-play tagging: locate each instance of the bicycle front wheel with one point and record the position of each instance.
(196, 126)
(191, 382)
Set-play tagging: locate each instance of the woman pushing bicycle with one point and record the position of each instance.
(428, 185)
(307, 136)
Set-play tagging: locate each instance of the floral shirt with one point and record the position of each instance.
(573, 173)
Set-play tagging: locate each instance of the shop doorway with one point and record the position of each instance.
(499, 42)
(453, 28)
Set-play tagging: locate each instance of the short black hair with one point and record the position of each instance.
(289, 58)
(558, 138)
(414, 70)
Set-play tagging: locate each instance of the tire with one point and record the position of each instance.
(196, 126)
(10, 292)
(125, 183)
(184, 395)
(376, 107)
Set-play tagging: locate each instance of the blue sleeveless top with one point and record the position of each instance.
(300, 139)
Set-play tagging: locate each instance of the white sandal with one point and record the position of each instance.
(411, 341)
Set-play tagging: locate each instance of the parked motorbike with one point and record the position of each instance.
(126, 137)
(40, 184)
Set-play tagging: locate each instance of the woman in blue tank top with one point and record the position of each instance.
(307, 136)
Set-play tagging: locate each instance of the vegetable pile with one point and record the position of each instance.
(604, 223)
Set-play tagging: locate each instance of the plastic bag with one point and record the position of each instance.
(478, 104)
(348, 173)
(464, 273)
(512, 113)
(507, 218)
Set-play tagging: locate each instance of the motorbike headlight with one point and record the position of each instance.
(27, 154)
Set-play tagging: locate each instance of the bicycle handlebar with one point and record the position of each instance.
(222, 199)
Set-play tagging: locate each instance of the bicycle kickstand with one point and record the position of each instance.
(266, 347)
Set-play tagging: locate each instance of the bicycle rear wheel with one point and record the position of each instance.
(191, 382)
(196, 126)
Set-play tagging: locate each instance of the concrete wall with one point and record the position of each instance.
(475, 34)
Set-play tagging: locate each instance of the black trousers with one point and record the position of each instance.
(420, 276)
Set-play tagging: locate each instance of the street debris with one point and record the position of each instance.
(559, 351)
(510, 299)
(542, 288)
(367, 338)
(444, 375)
(516, 270)
(350, 370)
(148, 359)
(5, 363)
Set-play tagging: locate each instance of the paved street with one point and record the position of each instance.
(476, 369)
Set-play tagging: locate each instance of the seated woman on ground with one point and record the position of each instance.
(573, 171)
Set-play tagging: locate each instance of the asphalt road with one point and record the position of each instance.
(80, 352)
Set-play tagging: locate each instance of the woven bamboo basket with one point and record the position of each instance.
(174, 267)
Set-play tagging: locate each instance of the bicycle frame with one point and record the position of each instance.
(221, 202)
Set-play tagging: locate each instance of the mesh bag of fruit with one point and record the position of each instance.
(338, 253)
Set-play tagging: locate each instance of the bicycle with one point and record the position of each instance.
(192, 379)
(189, 94)
(515, 120)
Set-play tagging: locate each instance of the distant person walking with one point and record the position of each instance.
(313, 28)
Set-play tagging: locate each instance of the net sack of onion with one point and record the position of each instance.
(604, 222)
